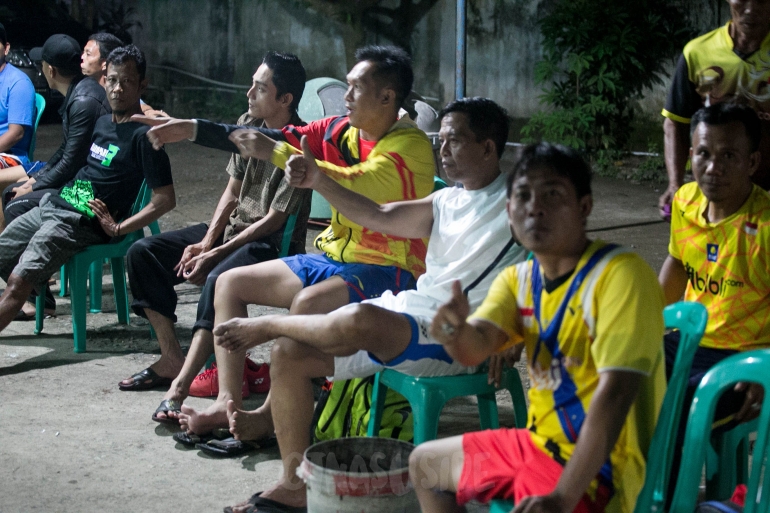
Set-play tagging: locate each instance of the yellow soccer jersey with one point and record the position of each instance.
(727, 267)
(613, 321)
(711, 72)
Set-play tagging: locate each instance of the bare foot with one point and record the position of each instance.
(239, 334)
(295, 498)
(249, 425)
(200, 423)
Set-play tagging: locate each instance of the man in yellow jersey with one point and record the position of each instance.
(727, 64)
(470, 239)
(369, 151)
(718, 252)
(590, 317)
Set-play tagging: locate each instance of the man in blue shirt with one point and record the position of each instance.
(17, 110)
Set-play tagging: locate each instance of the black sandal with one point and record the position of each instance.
(145, 380)
(166, 406)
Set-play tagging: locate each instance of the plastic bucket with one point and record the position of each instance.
(358, 475)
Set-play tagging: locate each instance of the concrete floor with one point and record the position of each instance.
(72, 442)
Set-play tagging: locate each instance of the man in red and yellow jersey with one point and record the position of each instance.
(731, 63)
(369, 151)
(718, 251)
(590, 317)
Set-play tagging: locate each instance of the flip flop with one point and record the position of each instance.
(193, 439)
(145, 380)
(167, 405)
(262, 505)
(230, 447)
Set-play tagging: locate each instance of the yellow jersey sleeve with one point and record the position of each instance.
(628, 306)
(501, 309)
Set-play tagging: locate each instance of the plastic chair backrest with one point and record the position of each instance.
(323, 97)
(753, 366)
(438, 184)
(39, 107)
(690, 319)
(288, 231)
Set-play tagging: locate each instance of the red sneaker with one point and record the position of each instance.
(258, 376)
(206, 384)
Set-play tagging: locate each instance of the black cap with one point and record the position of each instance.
(59, 50)
(3, 37)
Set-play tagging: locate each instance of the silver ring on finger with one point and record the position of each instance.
(447, 329)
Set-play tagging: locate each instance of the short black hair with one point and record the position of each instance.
(393, 68)
(288, 75)
(3, 36)
(486, 119)
(561, 159)
(123, 54)
(106, 42)
(727, 112)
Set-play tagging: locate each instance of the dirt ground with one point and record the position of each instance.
(72, 442)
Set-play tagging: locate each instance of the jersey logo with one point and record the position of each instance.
(750, 228)
(712, 252)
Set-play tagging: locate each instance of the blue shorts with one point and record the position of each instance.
(364, 281)
(424, 356)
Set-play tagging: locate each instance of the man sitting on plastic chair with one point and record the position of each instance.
(37, 243)
(469, 238)
(718, 254)
(590, 316)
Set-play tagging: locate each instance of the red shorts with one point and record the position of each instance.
(506, 464)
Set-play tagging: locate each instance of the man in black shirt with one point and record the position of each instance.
(84, 102)
(34, 245)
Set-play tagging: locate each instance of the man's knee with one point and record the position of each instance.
(322, 298)
(18, 286)
(225, 285)
(139, 250)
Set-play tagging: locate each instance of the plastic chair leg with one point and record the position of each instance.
(95, 286)
(488, 411)
(154, 228)
(119, 286)
(732, 465)
(78, 296)
(378, 404)
(64, 289)
(426, 416)
(39, 313)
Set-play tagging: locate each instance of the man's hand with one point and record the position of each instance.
(755, 394)
(190, 251)
(23, 189)
(498, 361)
(450, 317)
(198, 268)
(166, 129)
(104, 217)
(551, 503)
(664, 202)
(253, 144)
(302, 170)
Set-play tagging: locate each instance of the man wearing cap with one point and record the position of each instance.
(17, 113)
(84, 102)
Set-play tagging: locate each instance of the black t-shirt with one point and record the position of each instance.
(120, 158)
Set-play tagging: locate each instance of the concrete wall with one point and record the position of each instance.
(225, 40)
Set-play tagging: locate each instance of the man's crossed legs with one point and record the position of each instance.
(305, 284)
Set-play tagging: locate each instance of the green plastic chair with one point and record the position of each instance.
(751, 366)
(39, 107)
(95, 278)
(428, 396)
(731, 465)
(81, 266)
(690, 319)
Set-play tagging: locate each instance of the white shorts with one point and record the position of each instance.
(424, 356)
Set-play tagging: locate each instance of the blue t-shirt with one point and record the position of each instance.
(17, 106)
